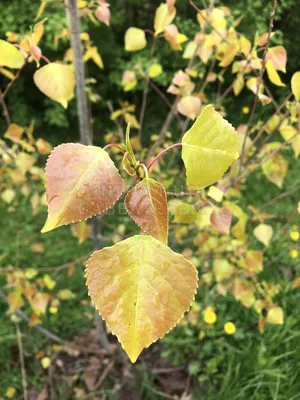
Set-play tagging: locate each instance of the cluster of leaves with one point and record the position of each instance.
(140, 286)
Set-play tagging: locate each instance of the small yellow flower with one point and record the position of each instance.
(294, 253)
(209, 315)
(245, 110)
(10, 392)
(230, 328)
(294, 235)
(45, 361)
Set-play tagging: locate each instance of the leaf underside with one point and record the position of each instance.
(141, 288)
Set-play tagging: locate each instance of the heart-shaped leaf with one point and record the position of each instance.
(208, 149)
(147, 205)
(56, 81)
(141, 288)
(81, 181)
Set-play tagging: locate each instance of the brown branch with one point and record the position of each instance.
(14, 80)
(4, 107)
(22, 362)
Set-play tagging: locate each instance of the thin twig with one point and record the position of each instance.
(22, 362)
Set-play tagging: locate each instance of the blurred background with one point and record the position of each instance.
(54, 340)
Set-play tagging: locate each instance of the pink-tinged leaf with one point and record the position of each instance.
(141, 288)
(278, 56)
(221, 219)
(81, 181)
(147, 205)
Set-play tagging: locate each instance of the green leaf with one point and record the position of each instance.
(141, 288)
(208, 149)
(146, 204)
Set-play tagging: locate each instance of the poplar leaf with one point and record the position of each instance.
(295, 82)
(275, 169)
(273, 74)
(278, 57)
(189, 106)
(263, 233)
(10, 56)
(141, 288)
(221, 219)
(208, 149)
(81, 181)
(147, 205)
(56, 81)
(135, 39)
(155, 70)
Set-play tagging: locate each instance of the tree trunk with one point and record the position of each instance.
(84, 128)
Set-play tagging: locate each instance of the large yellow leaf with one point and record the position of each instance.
(295, 82)
(81, 181)
(146, 203)
(10, 56)
(141, 288)
(135, 39)
(208, 149)
(56, 81)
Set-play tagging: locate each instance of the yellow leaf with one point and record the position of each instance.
(273, 74)
(215, 193)
(30, 273)
(141, 288)
(294, 253)
(56, 81)
(278, 57)
(41, 9)
(229, 55)
(287, 132)
(263, 233)
(189, 106)
(65, 294)
(8, 195)
(295, 83)
(209, 148)
(82, 231)
(163, 17)
(275, 316)
(275, 169)
(155, 70)
(14, 133)
(49, 282)
(10, 56)
(10, 392)
(46, 362)
(238, 84)
(135, 39)
(230, 328)
(129, 80)
(294, 235)
(92, 53)
(15, 301)
(222, 269)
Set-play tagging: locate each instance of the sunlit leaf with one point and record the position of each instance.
(146, 203)
(295, 82)
(14, 132)
(222, 269)
(163, 17)
(135, 39)
(263, 233)
(7, 73)
(275, 316)
(221, 219)
(82, 231)
(238, 84)
(81, 181)
(278, 57)
(273, 74)
(189, 106)
(275, 169)
(209, 148)
(43, 146)
(155, 70)
(141, 288)
(56, 81)
(93, 54)
(15, 301)
(10, 56)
